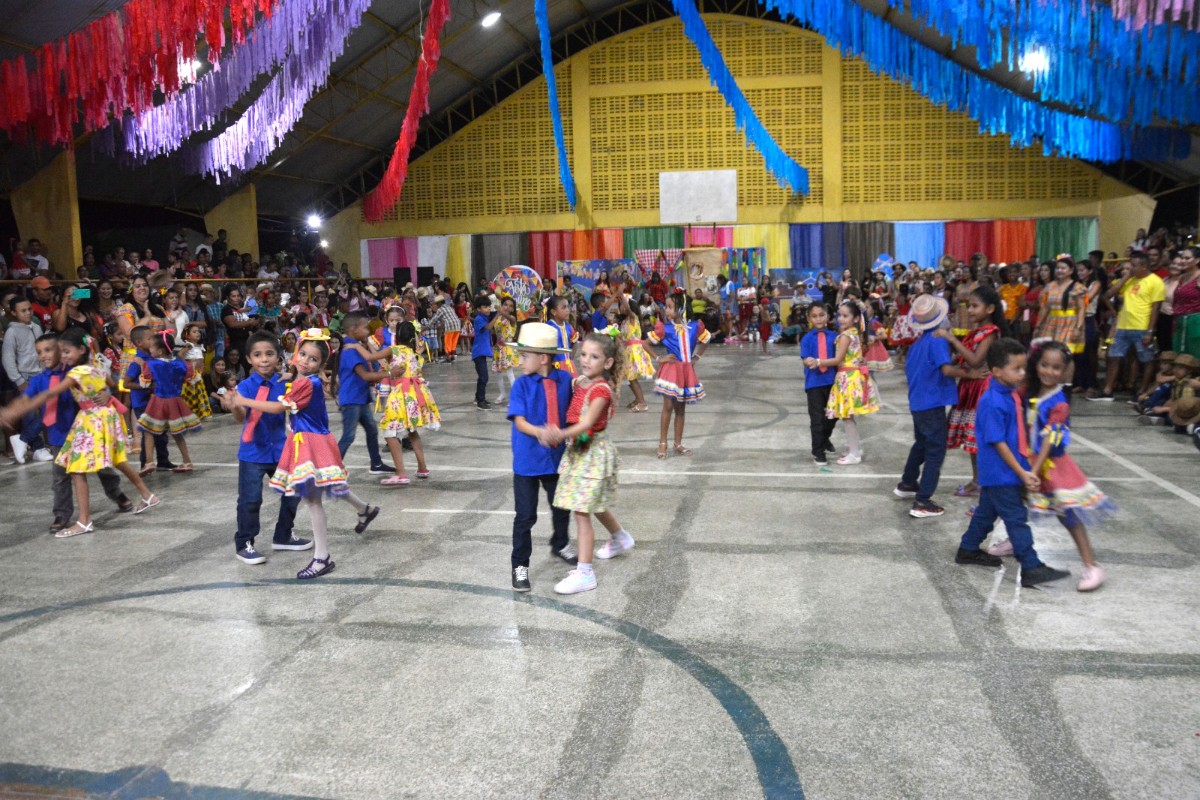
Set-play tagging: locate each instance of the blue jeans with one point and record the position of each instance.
(354, 415)
(525, 489)
(929, 448)
(481, 378)
(249, 501)
(1007, 503)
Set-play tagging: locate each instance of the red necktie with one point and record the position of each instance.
(50, 414)
(551, 401)
(1022, 435)
(822, 348)
(255, 414)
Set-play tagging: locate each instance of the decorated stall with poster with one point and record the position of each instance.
(522, 284)
(584, 274)
(701, 266)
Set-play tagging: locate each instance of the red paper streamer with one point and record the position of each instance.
(384, 197)
(114, 64)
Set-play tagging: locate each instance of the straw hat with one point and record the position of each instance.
(537, 337)
(422, 292)
(1186, 411)
(1189, 361)
(928, 312)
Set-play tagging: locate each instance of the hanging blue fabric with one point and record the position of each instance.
(787, 172)
(564, 167)
(922, 242)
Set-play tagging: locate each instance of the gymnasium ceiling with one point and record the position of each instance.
(338, 149)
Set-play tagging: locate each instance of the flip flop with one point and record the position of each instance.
(397, 480)
(963, 491)
(422, 473)
(639, 408)
(184, 467)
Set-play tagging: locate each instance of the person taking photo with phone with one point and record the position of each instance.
(80, 309)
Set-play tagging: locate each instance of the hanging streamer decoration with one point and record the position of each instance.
(857, 32)
(164, 128)
(384, 197)
(1139, 13)
(787, 172)
(564, 166)
(1093, 61)
(114, 63)
(248, 141)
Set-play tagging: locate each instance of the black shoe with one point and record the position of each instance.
(520, 579)
(977, 557)
(124, 504)
(1102, 397)
(366, 518)
(568, 554)
(167, 465)
(1043, 573)
(926, 508)
(829, 448)
(380, 469)
(58, 524)
(483, 405)
(295, 543)
(820, 460)
(905, 490)
(406, 444)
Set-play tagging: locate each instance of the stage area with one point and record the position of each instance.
(779, 631)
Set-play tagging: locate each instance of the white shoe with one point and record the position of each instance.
(617, 544)
(1002, 548)
(576, 582)
(42, 455)
(849, 459)
(19, 448)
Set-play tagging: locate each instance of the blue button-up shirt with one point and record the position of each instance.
(266, 446)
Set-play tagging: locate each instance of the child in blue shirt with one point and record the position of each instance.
(57, 416)
(818, 381)
(139, 397)
(931, 388)
(1004, 469)
(481, 348)
(262, 440)
(538, 401)
(355, 374)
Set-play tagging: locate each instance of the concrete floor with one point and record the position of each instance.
(779, 631)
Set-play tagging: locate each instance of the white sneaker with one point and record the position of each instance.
(42, 455)
(1002, 548)
(849, 459)
(618, 543)
(19, 448)
(576, 582)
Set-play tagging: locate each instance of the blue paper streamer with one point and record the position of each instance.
(564, 166)
(787, 172)
(854, 31)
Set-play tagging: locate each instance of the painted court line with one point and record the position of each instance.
(1162, 483)
(453, 511)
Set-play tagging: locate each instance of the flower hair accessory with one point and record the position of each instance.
(611, 330)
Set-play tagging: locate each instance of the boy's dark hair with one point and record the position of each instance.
(15, 300)
(555, 301)
(46, 337)
(353, 320)
(262, 336)
(481, 301)
(815, 306)
(137, 332)
(1002, 350)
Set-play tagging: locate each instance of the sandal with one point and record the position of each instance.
(681, 450)
(146, 504)
(365, 519)
(74, 530)
(149, 469)
(184, 467)
(662, 450)
(396, 480)
(965, 490)
(312, 571)
(422, 473)
(631, 405)
(638, 408)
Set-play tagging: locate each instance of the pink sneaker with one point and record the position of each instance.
(1092, 578)
(1003, 548)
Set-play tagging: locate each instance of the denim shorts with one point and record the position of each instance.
(1124, 339)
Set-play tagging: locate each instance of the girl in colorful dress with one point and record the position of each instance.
(311, 465)
(877, 356)
(637, 362)
(504, 360)
(985, 314)
(587, 482)
(410, 405)
(854, 393)
(97, 437)
(676, 380)
(194, 393)
(558, 311)
(1065, 491)
(166, 412)
(1062, 307)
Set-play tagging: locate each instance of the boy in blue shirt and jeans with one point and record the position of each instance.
(1004, 468)
(262, 440)
(355, 374)
(818, 381)
(931, 389)
(481, 348)
(538, 400)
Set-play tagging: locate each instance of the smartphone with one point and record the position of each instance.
(81, 294)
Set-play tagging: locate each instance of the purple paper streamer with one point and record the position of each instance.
(248, 141)
(164, 128)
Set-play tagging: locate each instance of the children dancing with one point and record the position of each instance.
(853, 394)
(166, 412)
(410, 406)
(676, 381)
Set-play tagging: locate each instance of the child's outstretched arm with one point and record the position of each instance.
(23, 404)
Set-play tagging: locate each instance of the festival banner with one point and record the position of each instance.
(521, 283)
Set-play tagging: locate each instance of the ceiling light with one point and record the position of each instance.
(324, 243)
(490, 19)
(1035, 61)
(314, 221)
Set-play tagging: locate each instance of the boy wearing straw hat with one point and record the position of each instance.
(931, 374)
(538, 403)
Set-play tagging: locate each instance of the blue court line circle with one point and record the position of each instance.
(776, 772)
